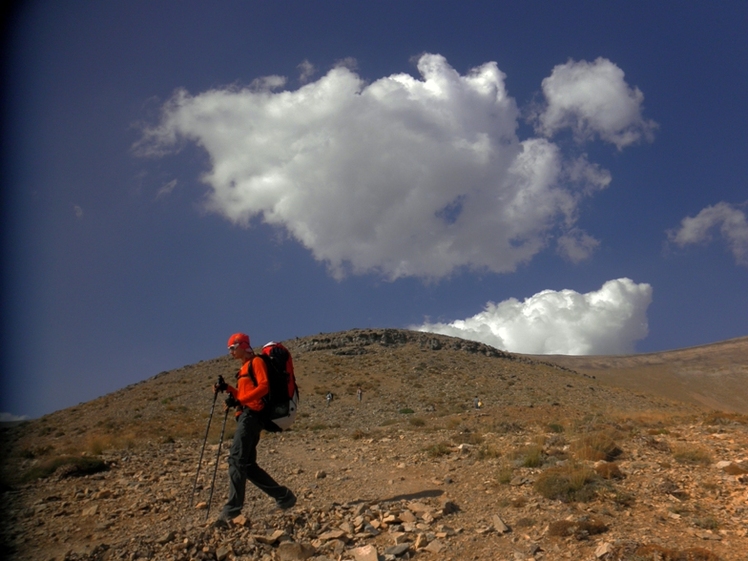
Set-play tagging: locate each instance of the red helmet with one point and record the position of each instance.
(239, 339)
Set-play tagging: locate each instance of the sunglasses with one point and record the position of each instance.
(233, 347)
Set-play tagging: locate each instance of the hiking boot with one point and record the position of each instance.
(221, 523)
(224, 520)
(287, 501)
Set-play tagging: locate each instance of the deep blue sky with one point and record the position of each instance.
(113, 272)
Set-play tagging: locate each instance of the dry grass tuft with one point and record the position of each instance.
(608, 470)
(723, 418)
(488, 451)
(505, 473)
(656, 420)
(68, 466)
(96, 444)
(596, 446)
(581, 529)
(568, 483)
(439, 449)
(692, 454)
(656, 444)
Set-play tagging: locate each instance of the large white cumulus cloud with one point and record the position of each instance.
(403, 176)
(606, 321)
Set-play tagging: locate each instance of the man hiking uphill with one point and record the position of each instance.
(251, 387)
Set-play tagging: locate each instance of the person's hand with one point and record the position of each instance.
(231, 401)
(220, 385)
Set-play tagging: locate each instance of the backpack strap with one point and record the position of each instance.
(250, 373)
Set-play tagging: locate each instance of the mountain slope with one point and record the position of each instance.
(714, 376)
(555, 465)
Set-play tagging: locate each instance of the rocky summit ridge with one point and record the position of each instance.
(555, 464)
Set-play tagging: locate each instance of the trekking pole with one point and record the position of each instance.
(215, 470)
(202, 450)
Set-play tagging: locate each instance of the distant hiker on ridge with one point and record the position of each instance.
(252, 386)
(328, 397)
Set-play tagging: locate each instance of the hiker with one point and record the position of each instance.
(251, 387)
(477, 403)
(359, 394)
(328, 397)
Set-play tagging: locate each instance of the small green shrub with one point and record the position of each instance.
(406, 411)
(505, 427)
(439, 449)
(468, 437)
(505, 473)
(529, 456)
(556, 427)
(581, 529)
(486, 451)
(624, 498)
(35, 452)
(707, 523)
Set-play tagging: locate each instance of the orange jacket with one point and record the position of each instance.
(246, 392)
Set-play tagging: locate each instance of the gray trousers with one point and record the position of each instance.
(243, 465)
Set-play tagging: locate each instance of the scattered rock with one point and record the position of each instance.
(222, 553)
(365, 553)
(499, 525)
(436, 546)
(241, 520)
(397, 550)
(292, 551)
(166, 538)
(270, 538)
(603, 549)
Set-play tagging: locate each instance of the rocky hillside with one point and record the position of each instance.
(555, 465)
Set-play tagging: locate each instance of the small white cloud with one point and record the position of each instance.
(402, 176)
(592, 98)
(732, 224)
(78, 212)
(10, 418)
(306, 71)
(576, 245)
(166, 189)
(607, 321)
(348, 62)
(267, 84)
